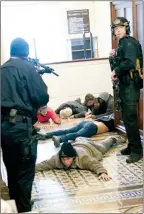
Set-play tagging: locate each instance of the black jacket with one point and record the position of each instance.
(108, 120)
(78, 109)
(22, 88)
(129, 53)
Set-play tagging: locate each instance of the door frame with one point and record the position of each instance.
(113, 7)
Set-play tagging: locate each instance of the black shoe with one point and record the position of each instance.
(41, 137)
(125, 151)
(57, 141)
(134, 157)
(35, 130)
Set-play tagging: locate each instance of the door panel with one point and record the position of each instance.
(140, 24)
(133, 11)
(128, 16)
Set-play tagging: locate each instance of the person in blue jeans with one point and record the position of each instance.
(82, 129)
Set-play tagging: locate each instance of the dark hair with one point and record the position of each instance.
(89, 97)
(67, 150)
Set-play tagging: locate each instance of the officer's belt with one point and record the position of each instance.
(6, 112)
(19, 118)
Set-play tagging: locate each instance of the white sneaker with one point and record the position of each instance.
(118, 138)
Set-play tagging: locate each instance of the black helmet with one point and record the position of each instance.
(67, 150)
(19, 47)
(121, 21)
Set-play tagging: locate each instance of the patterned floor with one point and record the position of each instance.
(80, 191)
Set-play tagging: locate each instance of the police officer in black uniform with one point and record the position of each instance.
(129, 74)
(23, 91)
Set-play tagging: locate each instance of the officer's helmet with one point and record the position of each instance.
(120, 21)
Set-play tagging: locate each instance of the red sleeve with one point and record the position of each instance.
(52, 114)
(42, 119)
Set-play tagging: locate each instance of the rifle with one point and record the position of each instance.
(114, 62)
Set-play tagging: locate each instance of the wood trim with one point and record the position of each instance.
(118, 5)
(72, 61)
(113, 16)
(134, 17)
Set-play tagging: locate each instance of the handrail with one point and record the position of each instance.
(72, 61)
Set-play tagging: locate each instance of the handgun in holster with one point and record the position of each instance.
(13, 113)
(137, 69)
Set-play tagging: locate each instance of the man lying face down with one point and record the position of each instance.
(100, 106)
(65, 113)
(81, 155)
(78, 110)
(85, 128)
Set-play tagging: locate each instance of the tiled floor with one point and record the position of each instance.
(79, 191)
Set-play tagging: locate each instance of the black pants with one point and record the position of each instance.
(19, 155)
(130, 96)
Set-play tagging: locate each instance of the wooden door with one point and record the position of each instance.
(139, 27)
(133, 11)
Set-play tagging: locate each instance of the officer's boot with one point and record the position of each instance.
(125, 151)
(134, 157)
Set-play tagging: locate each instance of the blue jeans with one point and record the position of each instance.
(83, 129)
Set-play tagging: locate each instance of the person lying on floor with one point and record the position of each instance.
(65, 113)
(45, 114)
(78, 110)
(86, 128)
(81, 155)
(100, 106)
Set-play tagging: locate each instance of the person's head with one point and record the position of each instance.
(19, 48)
(66, 113)
(43, 110)
(78, 100)
(67, 154)
(120, 27)
(89, 100)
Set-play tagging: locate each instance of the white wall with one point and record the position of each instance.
(102, 19)
(77, 79)
(47, 20)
